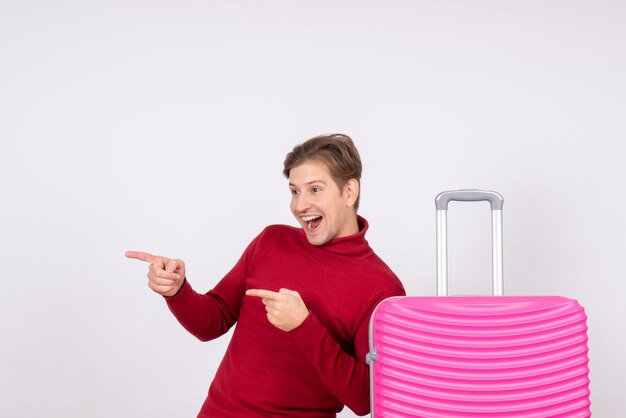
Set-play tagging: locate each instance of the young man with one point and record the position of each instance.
(301, 298)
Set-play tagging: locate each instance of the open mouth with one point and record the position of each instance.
(312, 222)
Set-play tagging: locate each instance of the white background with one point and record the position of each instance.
(162, 126)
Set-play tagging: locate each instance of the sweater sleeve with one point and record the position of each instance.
(346, 376)
(210, 315)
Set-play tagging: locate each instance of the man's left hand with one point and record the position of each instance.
(285, 309)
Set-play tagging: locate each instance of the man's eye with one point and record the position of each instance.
(316, 189)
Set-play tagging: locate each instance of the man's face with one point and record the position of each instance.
(324, 211)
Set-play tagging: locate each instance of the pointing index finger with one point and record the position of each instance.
(261, 293)
(138, 255)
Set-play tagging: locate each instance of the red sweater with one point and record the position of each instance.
(313, 370)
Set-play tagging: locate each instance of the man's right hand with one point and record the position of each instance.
(165, 275)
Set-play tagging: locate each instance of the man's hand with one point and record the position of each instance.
(165, 275)
(285, 308)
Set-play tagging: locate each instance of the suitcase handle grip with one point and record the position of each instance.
(469, 195)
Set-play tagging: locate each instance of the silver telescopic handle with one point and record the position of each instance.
(441, 203)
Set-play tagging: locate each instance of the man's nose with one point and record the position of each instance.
(303, 202)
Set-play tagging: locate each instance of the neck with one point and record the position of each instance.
(352, 227)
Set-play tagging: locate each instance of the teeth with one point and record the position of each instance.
(309, 219)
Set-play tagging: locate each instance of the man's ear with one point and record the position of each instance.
(351, 192)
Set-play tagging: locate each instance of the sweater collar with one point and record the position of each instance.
(352, 245)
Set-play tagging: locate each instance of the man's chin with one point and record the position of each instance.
(316, 239)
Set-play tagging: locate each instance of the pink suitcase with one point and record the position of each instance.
(491, 356)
